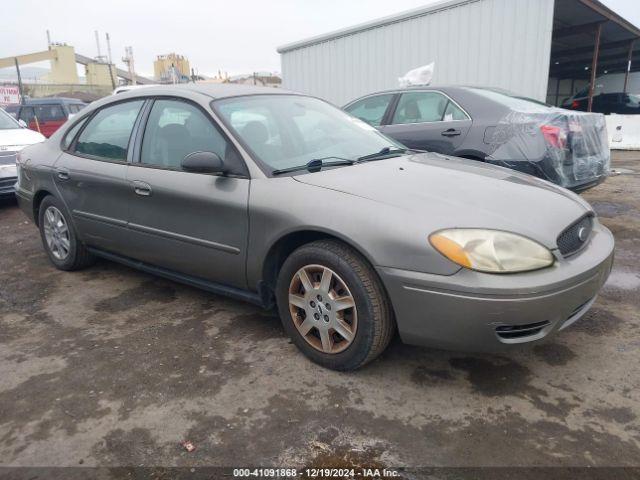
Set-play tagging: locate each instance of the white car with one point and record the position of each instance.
(14, 136)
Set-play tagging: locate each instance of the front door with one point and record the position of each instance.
(91, 176)
(192, 223)
(428, 120)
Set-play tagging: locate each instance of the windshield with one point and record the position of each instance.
(285, 131)
(7, 122)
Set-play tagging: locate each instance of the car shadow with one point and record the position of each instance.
(9, 201)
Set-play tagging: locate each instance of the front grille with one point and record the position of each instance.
(510, 332)
(574, 237)
(8, 182)
(7, 158)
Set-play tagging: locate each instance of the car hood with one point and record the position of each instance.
(19, 137)
(449, 192)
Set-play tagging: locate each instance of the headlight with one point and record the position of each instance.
(491, 251)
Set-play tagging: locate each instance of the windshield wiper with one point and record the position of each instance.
(315, 165)
(386, 152)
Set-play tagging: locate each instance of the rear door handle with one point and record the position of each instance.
(452, 132)
(63, 173)
(141, 188)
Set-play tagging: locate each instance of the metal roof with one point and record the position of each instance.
(381, 22)
(595, 7)
(573, 43)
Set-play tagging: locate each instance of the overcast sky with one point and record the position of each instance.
(237, 36)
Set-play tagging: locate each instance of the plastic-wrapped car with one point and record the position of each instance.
(567, 148)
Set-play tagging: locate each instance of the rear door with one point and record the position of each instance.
(193, 223)
(91, 174)
(428, 120)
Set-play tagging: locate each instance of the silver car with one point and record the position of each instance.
(284, 200)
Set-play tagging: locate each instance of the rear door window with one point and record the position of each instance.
(108, 132)
(50, 113)
(419, 107)
(371, 109)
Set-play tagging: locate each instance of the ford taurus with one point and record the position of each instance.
(284, 200)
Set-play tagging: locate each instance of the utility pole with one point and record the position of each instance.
(108, 47)
(20, 91)
(113, 79)
(128, 59)
(100, 58)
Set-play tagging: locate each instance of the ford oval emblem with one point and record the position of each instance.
(582, 234)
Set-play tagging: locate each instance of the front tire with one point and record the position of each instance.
(333, 306)
(59, 238)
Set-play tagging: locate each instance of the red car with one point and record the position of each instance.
(46, 115)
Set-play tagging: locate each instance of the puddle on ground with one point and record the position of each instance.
(623, 280)
(622, 171)
(610, 209)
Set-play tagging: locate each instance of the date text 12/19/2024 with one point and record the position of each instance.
(347, 473)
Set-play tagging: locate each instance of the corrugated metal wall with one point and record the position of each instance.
(500, 43)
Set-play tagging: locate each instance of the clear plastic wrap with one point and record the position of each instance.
(565, 147)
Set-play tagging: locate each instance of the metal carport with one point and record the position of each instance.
(589, 40)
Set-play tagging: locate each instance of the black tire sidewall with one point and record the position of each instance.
(69, 262)
(359, 349)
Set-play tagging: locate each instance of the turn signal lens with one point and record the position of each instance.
(491, 251)
(451, 250)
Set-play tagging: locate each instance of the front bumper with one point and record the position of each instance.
(475, 311)
(8, 176)
(7, 186)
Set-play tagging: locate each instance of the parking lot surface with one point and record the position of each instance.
(109, 366)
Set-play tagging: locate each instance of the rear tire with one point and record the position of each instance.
(59, 238)
(351, 305)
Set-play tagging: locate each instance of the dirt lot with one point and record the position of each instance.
(110, 366)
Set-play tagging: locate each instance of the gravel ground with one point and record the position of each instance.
(113, 367)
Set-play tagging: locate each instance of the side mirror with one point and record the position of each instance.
(203, 162)
(22, 123)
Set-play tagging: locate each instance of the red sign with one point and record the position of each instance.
(9, 95)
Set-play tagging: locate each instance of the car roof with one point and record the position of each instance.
(213, 90)
(443, 88)
(52, 100)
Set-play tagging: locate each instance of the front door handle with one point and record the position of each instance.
(63, 173)
(452, 132)
(141, 188)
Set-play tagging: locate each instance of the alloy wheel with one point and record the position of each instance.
(323, 309)
(56, 233)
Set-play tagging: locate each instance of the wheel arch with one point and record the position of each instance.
(290, 241)
(37, 201)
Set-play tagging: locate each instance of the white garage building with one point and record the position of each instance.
(544, 49)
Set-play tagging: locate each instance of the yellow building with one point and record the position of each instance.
(100, 74)
(171, 68)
